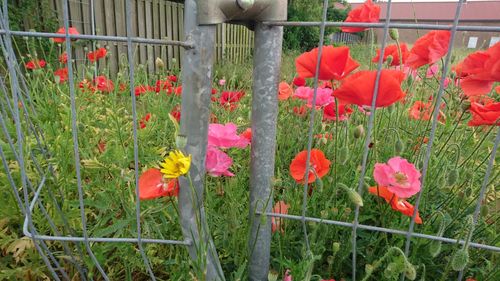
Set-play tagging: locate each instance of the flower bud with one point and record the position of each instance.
(465, 105)
(452, 177)
(368, 269)
(159, 63)
(180, 141)
(399, 147)
(330, 260)
(460, 260)
(393, 32)
(435, 248)
(343, 155)
(353, 195)
(410, 272)
(335, 247)
(272, 276)
(359, 132)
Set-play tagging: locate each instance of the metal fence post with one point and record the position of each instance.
(196, 93)
(267, 62)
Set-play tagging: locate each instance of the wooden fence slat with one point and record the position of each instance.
(121, 29)
(170, 49)
(181, 33)
(156, 31)
(175, 31)
(163, 30)
(149, 35)
(141, 29)
(109, 17)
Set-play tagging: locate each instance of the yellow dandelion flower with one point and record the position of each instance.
(175, 165)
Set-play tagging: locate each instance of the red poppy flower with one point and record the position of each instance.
(122, 87)
(480, 70)
(101, 146)
(497, 89)
(178, 91)
(62, 30)
(358, 88)
(230, 99)
(284, 91)
(300, 111)
(142, 89)
(62, 74)
(393, 51)
(63, 58)
(423, 111)
(152, 185)
(144, 120)
(336, 63)
(35, 64)
(103, 84)
(176, 113)
(329, 111)
(368, 12)
(162, 85)
(247, 134)
(319, 166)
(172, 78)
(485, 114)
(299, 81)
(429, 48)
(97, 55)
(397, 204)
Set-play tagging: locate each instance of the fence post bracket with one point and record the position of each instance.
(241, 11)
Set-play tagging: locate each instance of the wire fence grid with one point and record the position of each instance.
(17, 105)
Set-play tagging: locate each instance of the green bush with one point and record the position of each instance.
(305, 38)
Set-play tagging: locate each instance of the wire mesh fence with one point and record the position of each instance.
(38, 193)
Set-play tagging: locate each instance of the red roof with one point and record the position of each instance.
(444, 11)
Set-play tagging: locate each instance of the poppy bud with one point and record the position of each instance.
(393, 32)
(85, 49)
(272, 276)
(435, 248)
(159, 63)
(174, 60)
(343, 155)
(460, 260)
(368, 269)
(180, 141)
(330, 260)
(465, 105)
(399, 147)
(410, 271)
(452, 177)
(353, 195)
(389, 59)
(245, 4)
(335, 247)
(359, 132)
(263, 220)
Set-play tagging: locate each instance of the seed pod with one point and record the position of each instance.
(343, 155)
(393, 32)
(399, 147)
(368, 269)
(460, 260)
(435, 248)
(452, 177)
(359, 132)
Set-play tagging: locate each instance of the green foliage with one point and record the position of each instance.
(306, 38)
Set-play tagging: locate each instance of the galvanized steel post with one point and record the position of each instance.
(267, 62)
(197, 81)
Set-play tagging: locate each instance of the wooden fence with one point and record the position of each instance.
(158, 19)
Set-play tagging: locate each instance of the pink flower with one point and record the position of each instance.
(323, 96)
(288, 276)
(217, 162)
(222, 82)
(432, 71)
(400, 176)
(225, 136)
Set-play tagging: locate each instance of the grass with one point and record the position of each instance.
(108, 184)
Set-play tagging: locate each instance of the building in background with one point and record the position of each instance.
(478, 13)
